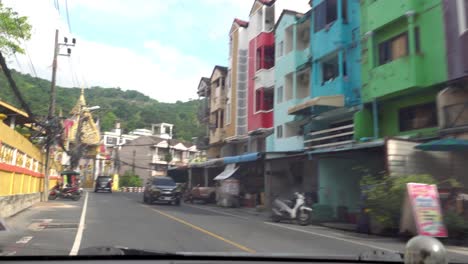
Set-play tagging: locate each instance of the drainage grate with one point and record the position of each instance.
(60, 225)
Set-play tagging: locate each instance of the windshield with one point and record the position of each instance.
(164, 182)
(329, 128)
(104, 179)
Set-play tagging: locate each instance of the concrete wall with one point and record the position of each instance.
(340, 176)
(13, 204)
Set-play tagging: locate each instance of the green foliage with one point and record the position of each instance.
(108, 121)
(385, 196)
(456, 225)
(132, 108)
(168, 157)
(14, 29)
(130, 180)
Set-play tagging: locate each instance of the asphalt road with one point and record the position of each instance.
(64, 227)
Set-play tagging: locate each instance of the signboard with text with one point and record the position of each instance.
(425, 205)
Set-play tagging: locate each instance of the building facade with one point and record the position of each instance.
(261, 62)
(218, 98)
(292, 79)
(403, 65)
(236, 85)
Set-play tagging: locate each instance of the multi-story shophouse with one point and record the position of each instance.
(218, 98)
(325, 111)
(236, 91)
(261, 54)
(203, 91)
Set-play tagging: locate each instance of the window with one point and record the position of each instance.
(111, 140)
(269, 57)
(417, 39)
(330, 70)
(344, 4)
(228, 113)
(264, 99)
(279, 131)
(216, 115)
(258, 100)
(393, 48)
(279, 94)
(280, 48)
(221, 118)
(325, 14)
(268, 99)
(417, 117)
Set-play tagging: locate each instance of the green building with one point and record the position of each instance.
(403, 66)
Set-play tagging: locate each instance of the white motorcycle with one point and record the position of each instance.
(291, 210)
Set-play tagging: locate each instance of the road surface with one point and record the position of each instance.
(65, 227)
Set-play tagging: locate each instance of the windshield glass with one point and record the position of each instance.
(104, 179)
(328, 128)
(164, 182)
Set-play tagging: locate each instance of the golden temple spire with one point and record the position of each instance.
(80, 103)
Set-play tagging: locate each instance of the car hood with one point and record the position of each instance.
(119, 250)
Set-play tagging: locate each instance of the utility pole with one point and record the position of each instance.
(51, 120)
(133, 163)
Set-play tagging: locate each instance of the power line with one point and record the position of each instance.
(68, 16)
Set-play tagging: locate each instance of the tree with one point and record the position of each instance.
(14, 29)
(108, 121)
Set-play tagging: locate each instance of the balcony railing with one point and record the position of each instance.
(330, 137)
(265, 78)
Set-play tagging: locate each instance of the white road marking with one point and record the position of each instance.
(79, 233)
(24, 240)
(331, 237)
(217, 211)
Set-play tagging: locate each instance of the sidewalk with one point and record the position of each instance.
(341, 229)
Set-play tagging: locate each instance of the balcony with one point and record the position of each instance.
(302, 56)
(330, 137)
(392, 77)
(264, 78)
(334, 34)
(394, 9)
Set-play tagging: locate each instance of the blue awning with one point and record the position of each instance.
(243, 158)
(207, 164)
(445, 144)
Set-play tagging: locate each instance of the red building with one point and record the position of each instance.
(261, 62)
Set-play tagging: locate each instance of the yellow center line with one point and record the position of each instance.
(237, 245)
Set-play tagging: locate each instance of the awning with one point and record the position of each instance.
(333, 100)
(243, 158)
(209, 163)
(227, 172)
(445, 144)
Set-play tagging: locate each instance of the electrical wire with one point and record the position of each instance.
(68, 16)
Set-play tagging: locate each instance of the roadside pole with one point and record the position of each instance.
(50, 118)
(52, 122)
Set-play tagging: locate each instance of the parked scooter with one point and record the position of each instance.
(292, 210)
(66, 193)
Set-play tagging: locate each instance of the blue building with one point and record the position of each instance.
(336, 74)
(292, 79)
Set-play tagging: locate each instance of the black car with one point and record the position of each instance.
(103, 183)
(161, 189)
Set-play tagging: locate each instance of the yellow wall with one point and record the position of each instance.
(20, 183)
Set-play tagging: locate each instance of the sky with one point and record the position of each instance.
(158, 47)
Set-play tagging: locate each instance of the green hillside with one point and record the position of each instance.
(132, 108)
